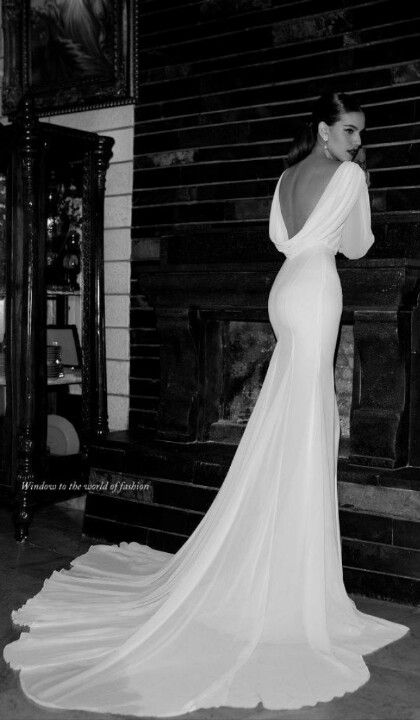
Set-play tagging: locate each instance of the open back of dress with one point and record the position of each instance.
(253, 607)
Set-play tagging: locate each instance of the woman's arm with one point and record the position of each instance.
(360, 159)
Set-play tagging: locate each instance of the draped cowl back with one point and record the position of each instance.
(340, 222)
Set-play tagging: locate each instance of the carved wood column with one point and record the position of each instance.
(414, 424)
(15, 71)
(379, 417)
(94, 395)
(26, 310)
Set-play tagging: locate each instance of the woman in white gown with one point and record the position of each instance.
(252, 608)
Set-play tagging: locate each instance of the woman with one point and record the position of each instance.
(253, 607)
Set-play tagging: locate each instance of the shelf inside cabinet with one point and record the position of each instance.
(69, 378)
(53, 292)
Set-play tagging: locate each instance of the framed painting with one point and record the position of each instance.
(69, 55)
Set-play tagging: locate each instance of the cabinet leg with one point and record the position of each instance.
(85, 463)
(22, 516)
(24, 480)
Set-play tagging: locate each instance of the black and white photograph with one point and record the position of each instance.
(68, 54)
(209, 360)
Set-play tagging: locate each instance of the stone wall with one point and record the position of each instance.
(224, 87)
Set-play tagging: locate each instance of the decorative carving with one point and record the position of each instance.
(22, 511)
(95, 412)
(103, 154)
(26, 317)
(87, 310)
(13, 68)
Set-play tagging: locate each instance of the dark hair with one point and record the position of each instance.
(328, 109)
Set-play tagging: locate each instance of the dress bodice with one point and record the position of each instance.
(340, 221)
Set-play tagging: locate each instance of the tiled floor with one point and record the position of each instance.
(392, 693)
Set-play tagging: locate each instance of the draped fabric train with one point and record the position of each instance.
(252, 608)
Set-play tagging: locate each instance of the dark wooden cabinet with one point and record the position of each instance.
(35, 156)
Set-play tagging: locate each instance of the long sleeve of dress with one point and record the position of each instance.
(357, 236)
(277, 229)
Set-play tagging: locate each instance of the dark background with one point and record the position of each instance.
(224, 85)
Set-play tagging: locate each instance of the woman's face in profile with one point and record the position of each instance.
(344, 137)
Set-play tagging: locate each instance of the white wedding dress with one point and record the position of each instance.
(252, 608)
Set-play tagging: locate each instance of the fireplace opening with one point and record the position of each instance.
(247, 347)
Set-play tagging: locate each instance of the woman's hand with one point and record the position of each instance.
(360, 159)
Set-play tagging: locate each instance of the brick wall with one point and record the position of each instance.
(223, 87)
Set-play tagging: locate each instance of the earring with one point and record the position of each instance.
(325, 148)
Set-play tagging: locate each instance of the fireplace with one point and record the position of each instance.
(216, 343)
(247, 347)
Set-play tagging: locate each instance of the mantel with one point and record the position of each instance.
(391, 283)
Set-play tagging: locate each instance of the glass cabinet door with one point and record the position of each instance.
(64, 289)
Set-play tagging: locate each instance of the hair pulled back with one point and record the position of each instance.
(328, 108)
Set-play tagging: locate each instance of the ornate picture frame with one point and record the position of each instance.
(69, 55)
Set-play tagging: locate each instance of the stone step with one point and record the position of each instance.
(162, 490)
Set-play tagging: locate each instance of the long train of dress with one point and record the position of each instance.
(252, 608)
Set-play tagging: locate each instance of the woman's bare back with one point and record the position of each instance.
(301, 188)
